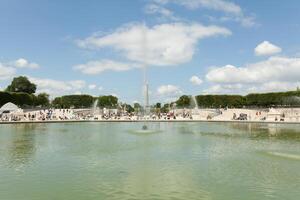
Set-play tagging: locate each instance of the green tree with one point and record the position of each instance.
(165, 108)
(184, 101)
(128, 108)
(21, 84)
(157, 108)
(137, 107)
(57, 102)
(158, 105)
(42, 99)
(108, 101)
(73, 101)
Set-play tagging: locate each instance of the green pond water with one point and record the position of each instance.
(115, 161)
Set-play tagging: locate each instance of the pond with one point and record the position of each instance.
(169, 160)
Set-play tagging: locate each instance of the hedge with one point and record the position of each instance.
(20, 99)
(73, 101)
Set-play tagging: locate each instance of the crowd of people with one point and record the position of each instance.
(88, 114)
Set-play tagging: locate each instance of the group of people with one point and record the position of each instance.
(208, 114)
(39, 115)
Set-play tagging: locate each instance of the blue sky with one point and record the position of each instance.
(189, 46)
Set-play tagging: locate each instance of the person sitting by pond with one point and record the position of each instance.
(234, 116)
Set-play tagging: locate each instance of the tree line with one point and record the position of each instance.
(273, 99)
(22, 93)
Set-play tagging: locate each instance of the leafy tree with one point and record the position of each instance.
(217, 101)
(137, 107)
(158, 105)
(183, 101)
(42, 99)
(57, 102)
(73, 101)
(128, 108)
(108, 101)
(165, 108)
(157, 108)
(21, 84)
(20, 99)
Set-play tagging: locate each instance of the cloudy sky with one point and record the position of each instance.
(188, 46)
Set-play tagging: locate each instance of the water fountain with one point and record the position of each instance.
(195, 110)
(95, 105)
(145, 82)
(195, 102)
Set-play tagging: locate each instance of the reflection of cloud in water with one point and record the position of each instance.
(141, 132)
(284, 155)
(162, 181)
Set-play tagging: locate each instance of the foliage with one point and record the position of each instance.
(21, 84)
(158, 105)
(165, 108)
(183, 101)
(43, 99)
(73, 101)
(137, 107)
(22, 99)
(217, 101)
(128, 108)
(291, 98)
(108, 101)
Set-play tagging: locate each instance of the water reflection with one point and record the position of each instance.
(22, 147)
(268, 131)
(183, 161)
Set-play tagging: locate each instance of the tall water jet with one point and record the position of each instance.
(195, 102)
(145, 81)
(195, 110)
(94, 108)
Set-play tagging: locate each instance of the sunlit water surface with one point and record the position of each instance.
(170, 161)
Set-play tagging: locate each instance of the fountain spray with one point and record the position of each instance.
(145, 81)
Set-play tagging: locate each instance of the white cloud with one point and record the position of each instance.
(78, 93)
(219, 5)
(158, 9)
(168, 91)
(273, 69)
(115, 95)
(100, 88)
(97, 67)
(57, 87)
(233, 12)
(224, 89)
(92, 86)
(245, 21)
(23, 63)
(196, 80)
(229, 74)
(266, 48)
(275, 86)
(135, 101)
(9, 69)
(77, 84)
(273, 74)
(155, 45)
(6, 72)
